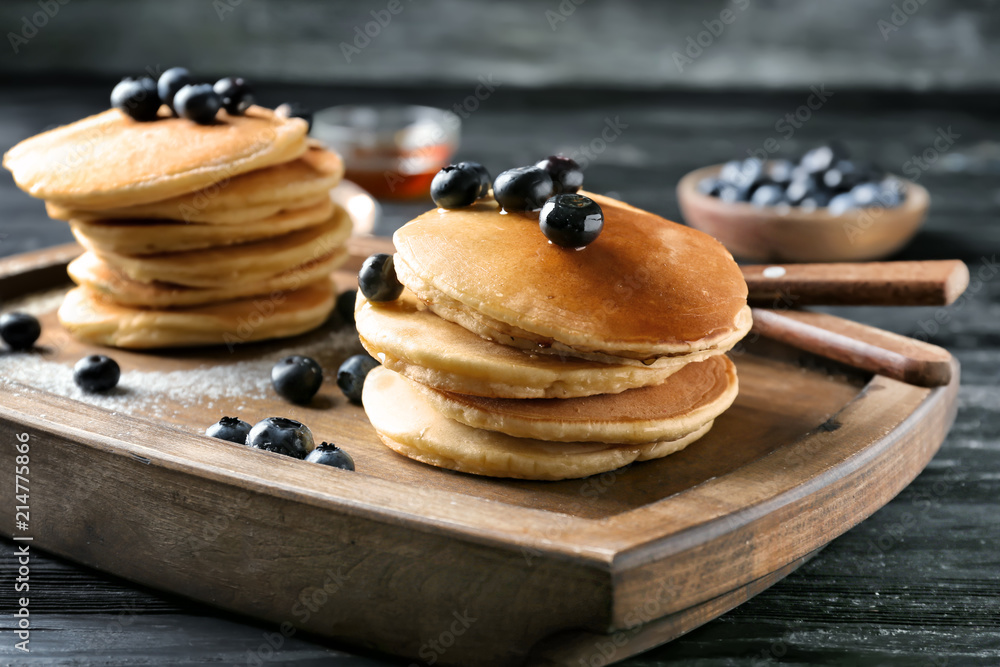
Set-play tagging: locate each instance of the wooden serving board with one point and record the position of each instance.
(438, 566)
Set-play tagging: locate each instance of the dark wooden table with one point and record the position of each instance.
(916, 584)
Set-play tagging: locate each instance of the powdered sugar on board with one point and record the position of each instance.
(165, 394)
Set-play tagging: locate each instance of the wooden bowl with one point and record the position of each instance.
(776, 234)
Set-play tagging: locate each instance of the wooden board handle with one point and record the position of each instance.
(858, 345)
(929, 283)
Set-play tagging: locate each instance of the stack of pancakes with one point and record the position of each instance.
(195, 234)
(512, 357)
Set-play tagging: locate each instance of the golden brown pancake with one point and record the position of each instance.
(681, 404)
(407, 423)
(150, 237)
(221, 267)
(115, 287)
(94, 320)
(645, 288)
(408, 338)
(265, 191)
(111, 161)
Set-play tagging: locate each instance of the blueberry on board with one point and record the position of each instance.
(768, 195)
(377, 279)
(780, 171)
(296, 110)
(485, 180)
(235, 93)
(841, 203)
(523, 188)
(19, 330)
(137, 98)
(282, 436)
(170, 82)
(331, 455)
(709, 186)
(232, 429)
(198, 102)
(345, 305)
(571, 220)
(456, 186)
(96, 373)
(351, 375)
(297, 378)
(567, 177)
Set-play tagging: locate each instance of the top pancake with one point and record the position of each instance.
(646, 287)
(308, 177)
(110, 160)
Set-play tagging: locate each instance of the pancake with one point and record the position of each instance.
(221, 267)
(646, 288)
(411, 340)
(111, 161)
(115, 287)
(210, 216)
(266, 191)
(688, 399)
(408, 424)
(150, 237)
(94, 320)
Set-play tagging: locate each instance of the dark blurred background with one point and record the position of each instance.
(769, 44)
(691, 83)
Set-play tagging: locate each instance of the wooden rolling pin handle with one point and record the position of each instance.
(929, 283)
(857, 345)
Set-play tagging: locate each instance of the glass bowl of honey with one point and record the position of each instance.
(393, 152)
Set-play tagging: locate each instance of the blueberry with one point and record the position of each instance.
(295, 110)
(377, 279)
(567, 177)
(198, 102)
(891, 192)
(331, 455)
(801, 187)
(456, 186)
(768, 195)
(822, 158)
(841, 203)
(345, 305)
(19, 330)
(780, 171)
(229, 428)
(96, 373)
(523, 188)
(170, 82)
(485, 180)
(571, 220)
(730, 194)
(352, 373)
(818, 199)
(297, 378)
(235, 93)
(137, 98)
(845, 174)
(282, 436)
(743, 175)
(709, 186)
(866, 194)
(731, 171)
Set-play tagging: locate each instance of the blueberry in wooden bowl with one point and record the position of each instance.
(825, 208)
